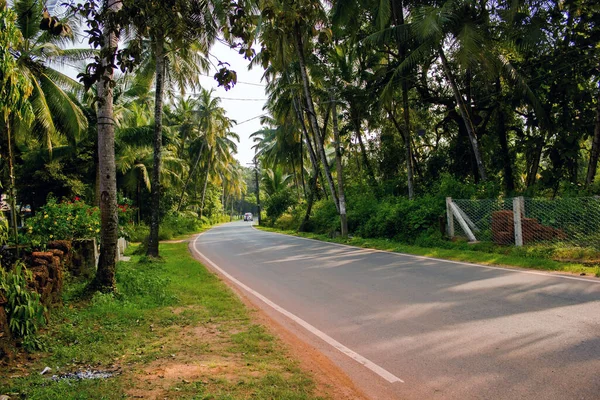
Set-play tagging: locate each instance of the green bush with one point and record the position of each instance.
(66, 220)
(177, 224)
(324, 218)
(26, 314)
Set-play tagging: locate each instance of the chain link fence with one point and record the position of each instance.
(522, 221)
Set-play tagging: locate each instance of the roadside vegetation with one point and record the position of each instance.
(171, 330)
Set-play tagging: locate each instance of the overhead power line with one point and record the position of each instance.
(240, 99)
(250, 119)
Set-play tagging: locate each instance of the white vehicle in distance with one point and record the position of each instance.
(248, 217)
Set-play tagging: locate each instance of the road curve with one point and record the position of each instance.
(445, 330)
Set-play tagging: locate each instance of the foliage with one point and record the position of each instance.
(14, 87)
(26, 314)
(279, 202)
(65, 220)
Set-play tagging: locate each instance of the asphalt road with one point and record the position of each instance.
(444, 330)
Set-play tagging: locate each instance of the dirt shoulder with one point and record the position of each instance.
(331, 381)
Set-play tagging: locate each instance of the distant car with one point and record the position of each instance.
(248, 217)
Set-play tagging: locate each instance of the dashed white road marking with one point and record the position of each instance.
(388, 376)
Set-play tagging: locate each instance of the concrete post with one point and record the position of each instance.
(517, 212)
(450, 218)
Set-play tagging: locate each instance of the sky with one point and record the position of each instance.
(244, 102)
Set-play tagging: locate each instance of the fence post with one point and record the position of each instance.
(517, 212)
(450, 218)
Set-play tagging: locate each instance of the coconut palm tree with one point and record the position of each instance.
(54, 97)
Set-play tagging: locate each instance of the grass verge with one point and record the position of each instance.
(532, 257)
(174, 330)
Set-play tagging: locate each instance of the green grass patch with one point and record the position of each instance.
(172, 330)
(533, 257)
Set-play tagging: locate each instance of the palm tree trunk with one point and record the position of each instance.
(302, 169)
(295, 172)
(109, 223)
(310, 202)
(465, 115)
(340, 173)
(139, 205)
(363, 151)
(595, 152)
(152, 250)
(312, 116)
(187, 181)
(534, 163)
(509, 180)
(11, 172)
(204, 187)
(398, 14)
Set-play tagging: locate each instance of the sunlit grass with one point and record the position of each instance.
(158, 304)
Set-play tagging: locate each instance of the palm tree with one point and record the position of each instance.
(109, 223)
(57, 113)
(14, 93)
(179, 33)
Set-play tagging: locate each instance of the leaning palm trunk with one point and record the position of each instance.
(105, 274)
(398, 14)
(464, 114)
(340, 174)
(204, 188)
(158, 112)
(595, 152)
(312, 116)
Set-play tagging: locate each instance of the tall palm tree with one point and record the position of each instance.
(180, 34)
(109, 223)
(57, 113)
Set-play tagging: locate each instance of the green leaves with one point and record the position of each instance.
(26, 314)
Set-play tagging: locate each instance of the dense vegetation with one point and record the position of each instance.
(422, 100)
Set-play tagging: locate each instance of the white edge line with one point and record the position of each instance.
(388, 376)
(367, 249)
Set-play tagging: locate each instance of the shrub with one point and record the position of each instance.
(24, 308)
(325, 218)
(137, 233)
(66, 220)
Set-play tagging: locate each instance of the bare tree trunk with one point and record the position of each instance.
(595, 152)
(152, 250)
(340, 173)
(187, 181)
(109, 223)
(464, 112)
(312, 116)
